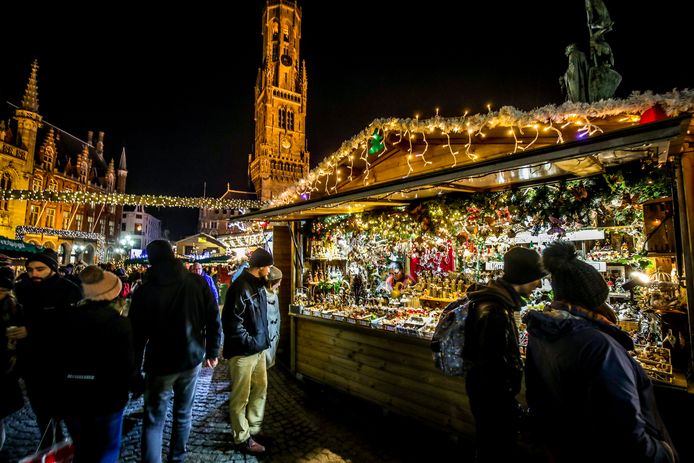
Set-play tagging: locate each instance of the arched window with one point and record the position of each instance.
(52, 185)
(285, 31)
(37, 184)
(283, 118)
(5, 184)
(275, 30)
(290, 118)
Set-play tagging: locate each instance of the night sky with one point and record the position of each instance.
(176, 87)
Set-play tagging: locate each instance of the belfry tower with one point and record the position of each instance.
(280, 156)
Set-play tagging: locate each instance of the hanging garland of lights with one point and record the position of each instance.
(69, 234)
(611, 199)
(550, 119)
(245, 241)
(123, 199)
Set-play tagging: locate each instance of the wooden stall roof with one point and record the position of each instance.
(356, 184)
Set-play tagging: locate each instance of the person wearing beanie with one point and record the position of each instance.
(491, 355)
(10, 333)
(579, 374)
(177, 329)
(46, 297)
(98, 363)
(246, 337)
(274, 279)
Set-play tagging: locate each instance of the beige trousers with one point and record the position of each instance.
(248, 395)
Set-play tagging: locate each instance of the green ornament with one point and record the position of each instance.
(376, 144)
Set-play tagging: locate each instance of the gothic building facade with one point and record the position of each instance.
(280, 156)
(33, 157)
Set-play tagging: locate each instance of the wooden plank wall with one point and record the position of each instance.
(282, 255)
(387, 369)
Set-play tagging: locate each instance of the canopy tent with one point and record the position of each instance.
(17, 248)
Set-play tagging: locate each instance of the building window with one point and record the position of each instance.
(78, 222)
(37, 184)
(33, 215)
(66, 220)
(112, 209)
(50, 218)
(111, 228)
(283, 118)
(290, 119)
(52, 185)
(5, 184)
(125, 215)
(285, 31)
(138, 216)
(90, 223)
(122, 226)
(275, 52)
(275, 31)
(102, 226)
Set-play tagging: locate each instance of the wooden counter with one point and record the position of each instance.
(393, 370)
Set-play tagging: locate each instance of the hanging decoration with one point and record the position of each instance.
(550, 119)
(123, 199)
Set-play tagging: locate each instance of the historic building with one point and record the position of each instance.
(34, 157)
(280, 156)
(138, 227)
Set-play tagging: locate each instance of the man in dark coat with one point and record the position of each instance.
(246, 336)
(174, 316)
(590, 400)
(494, 369)
(98, 364)
(45, 297)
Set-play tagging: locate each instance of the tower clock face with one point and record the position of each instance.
(286, 143)
(286, 60)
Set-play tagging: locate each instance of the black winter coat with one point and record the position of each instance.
(44, 307)
(494, 368)
(175, 318)
(244, 317)
(588, 397)
(97, 360)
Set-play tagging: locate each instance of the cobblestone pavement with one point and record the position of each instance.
(305, 423)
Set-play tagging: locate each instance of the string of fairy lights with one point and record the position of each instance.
(123, 199)
(524, 127)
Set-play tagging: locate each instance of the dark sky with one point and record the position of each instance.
(175, 87)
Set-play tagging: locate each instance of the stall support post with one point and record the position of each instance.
(684, 176)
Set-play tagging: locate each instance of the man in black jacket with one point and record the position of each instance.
(246, 337)
(174, 316)
(493, 364)
(45, 297)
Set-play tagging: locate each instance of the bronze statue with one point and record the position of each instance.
(575, 80)
(600, 81)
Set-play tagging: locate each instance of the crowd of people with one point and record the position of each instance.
(82, 351)
(81, 359)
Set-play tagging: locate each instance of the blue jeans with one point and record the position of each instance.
(96, 438)
(157, 395)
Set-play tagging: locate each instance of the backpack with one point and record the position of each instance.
(449, 338)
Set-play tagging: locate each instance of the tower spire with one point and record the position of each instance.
(122, 164)
(31, 95)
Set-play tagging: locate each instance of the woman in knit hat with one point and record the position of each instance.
(274, 279)
(97, 349)
(589, 398)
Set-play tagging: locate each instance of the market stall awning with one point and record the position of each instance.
(17, 248)
(582, 157)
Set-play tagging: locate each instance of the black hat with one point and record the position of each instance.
(572, 279)
(159, 251)
(260, 258)
(522, 265)
(6, 278)
(47, 256)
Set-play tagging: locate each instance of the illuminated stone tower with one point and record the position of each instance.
(28, 117)
(280, 156)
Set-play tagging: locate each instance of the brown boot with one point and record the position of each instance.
(251, 447)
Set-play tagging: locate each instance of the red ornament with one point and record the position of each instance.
(653, 114)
